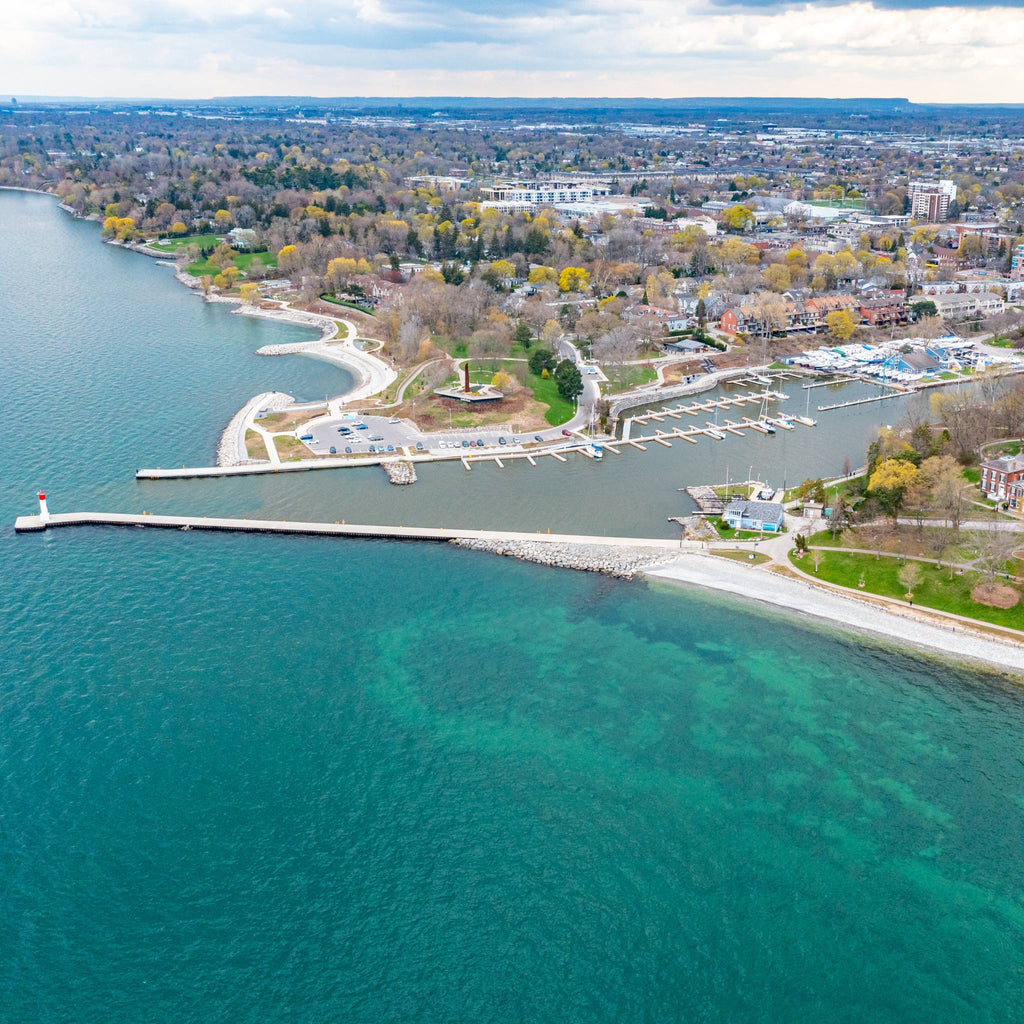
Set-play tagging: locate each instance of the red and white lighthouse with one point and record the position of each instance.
(44, 512)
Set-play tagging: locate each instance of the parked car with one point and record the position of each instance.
(537, 437)
(362, 426)
(373, 448)
(348, 449)
(394, 419)
(376, 437)
(501, 440)
(391, 447)
(566, 433)
(419, 446)
(334, 451)
(517, 439)
(344, 430)
(465, 444)
(306, 437)
(443, 444)
(479, 443)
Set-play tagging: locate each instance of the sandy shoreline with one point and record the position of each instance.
(847, 613)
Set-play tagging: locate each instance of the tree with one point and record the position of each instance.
(542, 359)
(777, 277)
(876, 535)
(924, 308)
(995, 548)
(811, 490)
(568, 379)
(573, 279)
(945, 483)
(250, 292)
(909, 576)
(222, 218)
(841, 324)
(523, 334)
(551, 332)
(543, 275)
(502, 381)
(888, 484)
(738, 218)
(178, 228)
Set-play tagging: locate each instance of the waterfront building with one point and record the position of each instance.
(744, 514)
(1002, 479)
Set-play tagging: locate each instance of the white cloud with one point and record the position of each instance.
(192, 48)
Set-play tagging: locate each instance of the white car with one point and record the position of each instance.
(394, 419)
(443, 444)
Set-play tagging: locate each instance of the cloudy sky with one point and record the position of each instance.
(967, 51)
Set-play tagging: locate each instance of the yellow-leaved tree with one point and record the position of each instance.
(543, 275)
(841, 324)
(573, 279)
(890, 482)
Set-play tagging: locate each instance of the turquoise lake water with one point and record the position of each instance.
(269, 779)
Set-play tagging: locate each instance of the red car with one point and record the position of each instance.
(566, 433)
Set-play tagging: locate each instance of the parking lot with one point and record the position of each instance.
(375, 434)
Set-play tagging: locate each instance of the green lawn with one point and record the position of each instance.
(560, 410)
(625, 377)
(344, 302)
(728, 533)
(174, 244)
(243, 260)
(936, 589)
(750, 557)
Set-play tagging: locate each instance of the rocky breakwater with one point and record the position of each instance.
(622, 562)
(231, 448)
(400, 472)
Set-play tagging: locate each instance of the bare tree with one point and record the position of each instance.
(995, 548)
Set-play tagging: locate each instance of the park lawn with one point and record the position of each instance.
(334, 301)
(290, 448)
(560, 410)
(254, 446)
(284, 420)
(174, 244)
(909, 540)
(728, 533)
(749, 557)
(242, 260)
(936, 589)
(625, 377)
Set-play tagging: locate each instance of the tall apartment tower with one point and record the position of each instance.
(1017, 264)
(929, 200)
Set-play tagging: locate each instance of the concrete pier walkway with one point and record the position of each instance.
(37, 523)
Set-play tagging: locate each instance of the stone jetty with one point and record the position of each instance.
(622, 562)
(400, 472)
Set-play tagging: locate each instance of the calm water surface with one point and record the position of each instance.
(268, 779)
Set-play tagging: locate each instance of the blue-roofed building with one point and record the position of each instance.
(746, 514)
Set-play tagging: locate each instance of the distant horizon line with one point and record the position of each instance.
(471, 101)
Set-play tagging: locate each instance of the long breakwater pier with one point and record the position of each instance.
(48, 521)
